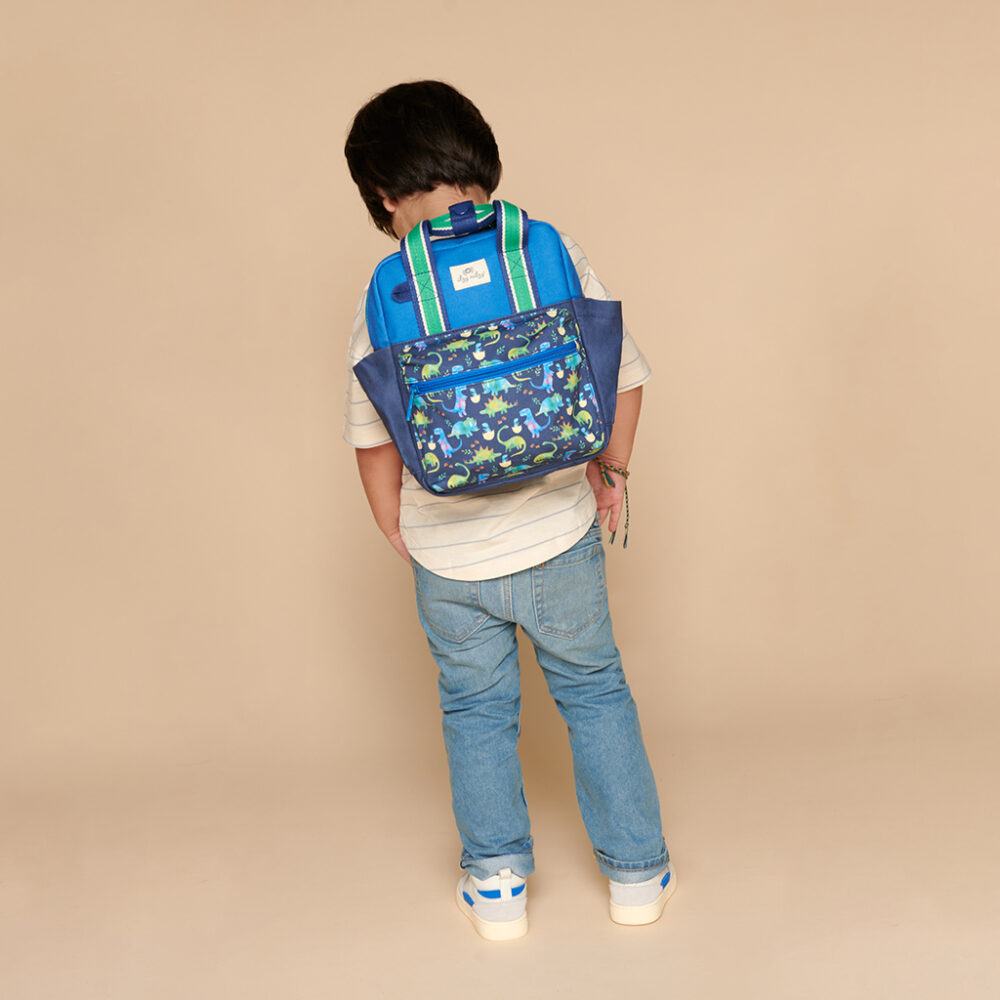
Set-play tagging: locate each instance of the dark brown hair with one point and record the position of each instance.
(414, 136)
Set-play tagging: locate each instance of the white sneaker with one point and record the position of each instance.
(496, 905)
(641, 902)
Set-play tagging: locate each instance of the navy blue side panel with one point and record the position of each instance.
(377, 375)
(600, 325)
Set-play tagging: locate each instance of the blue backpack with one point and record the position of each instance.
(488, 364)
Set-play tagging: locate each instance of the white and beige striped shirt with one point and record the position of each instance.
(481, 536)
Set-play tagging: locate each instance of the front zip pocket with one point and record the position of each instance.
(500, 400)
(486, 373)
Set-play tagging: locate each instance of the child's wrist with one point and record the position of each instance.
(607, 463)
(607, 469)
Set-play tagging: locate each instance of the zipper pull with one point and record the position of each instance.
(409, 408)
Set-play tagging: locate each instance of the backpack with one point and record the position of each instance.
(489, 366)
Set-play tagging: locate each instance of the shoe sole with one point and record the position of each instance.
(492, 930)
(649, 913)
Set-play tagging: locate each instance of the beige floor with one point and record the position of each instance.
(849, 857)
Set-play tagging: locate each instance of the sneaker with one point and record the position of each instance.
(496, 905)
(641, 902)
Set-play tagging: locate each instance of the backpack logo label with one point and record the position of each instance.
(469, 275)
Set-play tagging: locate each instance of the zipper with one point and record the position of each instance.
(488, 372)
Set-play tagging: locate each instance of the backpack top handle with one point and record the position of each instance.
(421, 270)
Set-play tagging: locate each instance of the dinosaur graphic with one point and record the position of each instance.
(446, 448)
(457, 480)
(497, 385)
(459, 407)
(431, 369)
(521, 349)
(534, 427)
(492, 335)
(513, 445)
(494, 405)
(431, 462)
(551, 404)
(487, 431)
(546, 377)
(481, 455)
(589, 390)
(585, 419)
(463, 428)
(544, 456)
(420, 419)
(567, 431)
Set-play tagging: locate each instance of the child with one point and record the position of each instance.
(485, 563)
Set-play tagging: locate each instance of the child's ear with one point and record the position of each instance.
(388, 204)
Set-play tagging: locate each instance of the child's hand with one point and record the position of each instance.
(396, 541)
(381, 471)
(609, 498)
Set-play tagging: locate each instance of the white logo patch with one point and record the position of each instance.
(469, 275)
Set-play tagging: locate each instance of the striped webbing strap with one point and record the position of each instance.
(512, 235)
(418, 260)
(425, 287)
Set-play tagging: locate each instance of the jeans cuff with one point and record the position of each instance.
(521, 865)
(630, 872)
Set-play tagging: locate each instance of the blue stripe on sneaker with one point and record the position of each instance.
(664, 880)
(467, 898)
(495, 893)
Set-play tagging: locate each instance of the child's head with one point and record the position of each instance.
(415, 136)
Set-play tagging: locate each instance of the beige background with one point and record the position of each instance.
(219, 750)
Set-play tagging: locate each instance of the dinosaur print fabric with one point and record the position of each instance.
(501, 399)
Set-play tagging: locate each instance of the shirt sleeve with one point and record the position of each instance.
(634, 370)
(362, 426)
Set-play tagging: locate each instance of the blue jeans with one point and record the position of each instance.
(562, 606)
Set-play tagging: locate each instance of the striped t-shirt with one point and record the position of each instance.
(481, 536)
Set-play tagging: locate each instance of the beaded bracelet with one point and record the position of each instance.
(605, 469)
